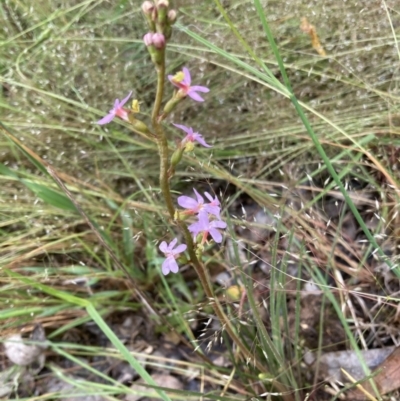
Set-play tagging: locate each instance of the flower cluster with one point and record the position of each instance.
(204, 212)
(160, 19)
(182, 80)
(208, 213)
(208, 223)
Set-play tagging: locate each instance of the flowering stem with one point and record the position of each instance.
(164, 167)
(160, 91)
(161, 138)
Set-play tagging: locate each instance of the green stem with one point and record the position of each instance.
(162, 139)
(164, 167)
(160, 92)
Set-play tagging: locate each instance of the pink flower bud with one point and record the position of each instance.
(147, 7)
(158, 40)
(148, 39)
(162, 4)
(172, 16)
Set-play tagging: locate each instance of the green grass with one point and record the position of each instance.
(292, 133)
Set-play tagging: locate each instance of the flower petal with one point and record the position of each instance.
(195, 96)
(214, 201)
(198, 88)
(214, 210)
(195, 228)
(171, 79)
(218, 224)
(165, 267)
(203, 219)
(123, 101)
(199, 138)
(163, 247)
(116, 105)
(179, 249)
(173, 266)
(188, 130)
(172, 244)
(187, 78)
(169, 265)
(200, 199)
(106, 119)
(186, 202)
(216, 235)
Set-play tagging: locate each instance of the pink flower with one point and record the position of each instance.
(205, 226)
(117, 110)
(182, 80)
(192, 136)
(169, 264)
(195, 207)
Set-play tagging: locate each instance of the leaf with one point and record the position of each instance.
(4, 170)
(50, 196)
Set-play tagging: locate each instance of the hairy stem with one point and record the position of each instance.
(160, 92)
(164, 167)
(161, 138)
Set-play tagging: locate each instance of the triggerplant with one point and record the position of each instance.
(160, 19)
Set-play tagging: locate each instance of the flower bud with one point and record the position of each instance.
(170, 105)
(147, 7)
(155, 42)
(162, 10)
(158, 41)
(149, 12)
(148, 39)
(176, 157)
(162, 4)
(139, 125)
(172, 16)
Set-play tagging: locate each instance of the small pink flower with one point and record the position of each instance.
(183, 80)
(192, 136)
(205, 226)
(195, 207)
(117, 110)
(169, 264)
